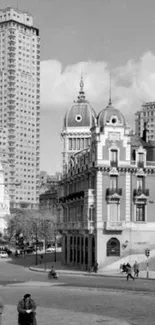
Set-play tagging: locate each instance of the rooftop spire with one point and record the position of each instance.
(81, 97)
(110, 102)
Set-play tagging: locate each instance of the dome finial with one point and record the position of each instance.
(81, 97)
(110, 101)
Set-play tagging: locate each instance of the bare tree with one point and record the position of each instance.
(32, 224)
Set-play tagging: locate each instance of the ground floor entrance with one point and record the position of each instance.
(79, 251)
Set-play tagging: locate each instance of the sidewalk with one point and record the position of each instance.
(60, 317)
(62, 269)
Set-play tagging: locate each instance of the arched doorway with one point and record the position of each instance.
(113, 247)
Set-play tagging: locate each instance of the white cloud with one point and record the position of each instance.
(132, 83)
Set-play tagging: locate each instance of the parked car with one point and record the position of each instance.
(3, 255)
(50, 249)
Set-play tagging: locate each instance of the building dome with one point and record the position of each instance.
(111, 116)
(80, 114)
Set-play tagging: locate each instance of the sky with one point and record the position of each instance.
(96, 38)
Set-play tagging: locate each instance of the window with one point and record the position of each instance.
(141, 157)
(140, 183)
(113, 182)
(70, 144)
(140, 160)
(78, 144)
(114, 155)
(140, 212)
(74, 144)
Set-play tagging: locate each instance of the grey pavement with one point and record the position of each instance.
(48, 316)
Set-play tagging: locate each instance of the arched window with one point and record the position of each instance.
(113, 247)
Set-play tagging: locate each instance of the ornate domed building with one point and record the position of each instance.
(107, 213)
(76, 133)
(110, 116)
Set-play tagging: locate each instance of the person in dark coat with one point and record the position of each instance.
(27, 311)
(129, 272)
(136, 269)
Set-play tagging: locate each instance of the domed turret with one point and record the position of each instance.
(111, 116)
(80, 114)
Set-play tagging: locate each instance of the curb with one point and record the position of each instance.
(34, 269)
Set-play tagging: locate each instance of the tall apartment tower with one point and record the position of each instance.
(20, 105)
(146, 118)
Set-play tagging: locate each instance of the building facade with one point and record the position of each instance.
(4, 203)
(20, 105)
(49, 196)
(146, 116)
(107, 195)
(76, 128)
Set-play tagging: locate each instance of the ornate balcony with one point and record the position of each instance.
(113, 192)
(113, 163)
(140, 164)
(140, 193)
(72, 196)
(113, 225)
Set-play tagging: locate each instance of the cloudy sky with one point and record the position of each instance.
(96, 37)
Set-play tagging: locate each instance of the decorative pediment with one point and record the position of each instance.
(140, 172)
(113, 171)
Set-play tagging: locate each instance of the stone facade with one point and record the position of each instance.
(107, 195)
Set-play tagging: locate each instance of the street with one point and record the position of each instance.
(77, 300)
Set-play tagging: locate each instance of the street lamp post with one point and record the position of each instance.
(36, 247)
(55, 252)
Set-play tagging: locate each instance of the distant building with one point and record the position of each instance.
(20, 105)
(146, 116)
(4, 203)
(107, 194)
(49, 195)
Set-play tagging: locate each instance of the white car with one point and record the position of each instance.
(50, 249)
(3, 255)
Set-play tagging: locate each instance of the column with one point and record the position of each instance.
(63, 249)
(128, 196)
(80, 251)
(100, 248)
(89, 251)
(72, 250)
(84, 266)
(68, 249)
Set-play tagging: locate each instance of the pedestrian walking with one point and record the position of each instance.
(1, 310)
(129, 272)
(136, 269)
(27, 311)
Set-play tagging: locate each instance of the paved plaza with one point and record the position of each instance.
(76, 299)
(48, 316)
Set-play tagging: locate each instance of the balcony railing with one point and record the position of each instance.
(140, 164)
(113, 225)
(72, 196)
(113, 163)
(113, 191)
(89, 225)
(139, 192)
